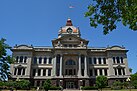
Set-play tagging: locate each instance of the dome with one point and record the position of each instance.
(69, 29)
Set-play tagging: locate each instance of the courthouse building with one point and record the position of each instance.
(70, 62)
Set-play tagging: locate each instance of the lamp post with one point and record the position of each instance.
(128, 80)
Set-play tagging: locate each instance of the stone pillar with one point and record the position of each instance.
(103, 72)
(46, 72)
(17, 72)
(41, 72)
(79, 67)
(60, 73)
(42, 60)
(98, 72)
(85, 63)
(54, 66)
(48, 60)
(36, 72)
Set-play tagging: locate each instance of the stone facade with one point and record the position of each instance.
(70, 63)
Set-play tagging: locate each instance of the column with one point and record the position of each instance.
(79, 67)
(60, 73)
(103, 72)
(97, 60)
(46, 72)
(41, 72)
(36, 72)
(98, 72)
(117, 71)
(17, 72)
(54, 66)
(42, 60)
(85, 63)
(48, 60)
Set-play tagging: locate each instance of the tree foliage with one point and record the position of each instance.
(109, 12)
(5, 60)
(101, 82)
(134, 80)
(117, 85)
(47, 84)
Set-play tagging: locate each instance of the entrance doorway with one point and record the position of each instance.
(70, 85)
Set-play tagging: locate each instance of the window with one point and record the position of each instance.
(91, 73)
(99, 59)
(90, 60)
(104, 60)
(39, 72)
(35, 60)
(21, 59)
(44, 72)
(50, 60)
(34, 72)
(19, 71)
(95, 61)
(70, 71)
(70, 45)
(95, 70)
(40, 60)
(105, 71)
(100, 71)
(114, 60)
(58, 72)
(17, 59)
(123, 71)
(38, 83)
(118, 61)
(119, 72)
(15, 70)
(25, 59)
(82, 72)
(23, 73)
(74, 71)
(49, 72)
(65, 45)
(82, 59)
(70, 62)
(115, 71)
(58, 58)
(45, 60)
(121, 59)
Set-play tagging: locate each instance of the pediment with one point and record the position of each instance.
(116, 47)
(23, 47)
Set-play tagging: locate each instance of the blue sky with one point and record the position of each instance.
(37, 22)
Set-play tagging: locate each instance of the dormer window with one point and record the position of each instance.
(69, 30)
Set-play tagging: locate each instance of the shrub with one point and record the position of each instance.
(55, 88)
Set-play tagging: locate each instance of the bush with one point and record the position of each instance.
(89, 88)
(55, 88)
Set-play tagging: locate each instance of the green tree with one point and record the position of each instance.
(117, 85)
(5, 60)
(101, 82)
(47, 84)
(134, 80)
(109, 12)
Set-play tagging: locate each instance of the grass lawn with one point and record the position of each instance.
(121, 90)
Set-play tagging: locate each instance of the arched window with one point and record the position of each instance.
(114, 60)
(99, 59)
(90, 60)
(40, 60)
(45, 60)
(70, 62)
(17, 58)
(25, 59)
(95, 61)
(118, 61)
(104, 60)
(35, 60)
(50, 60)
(21, 59)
